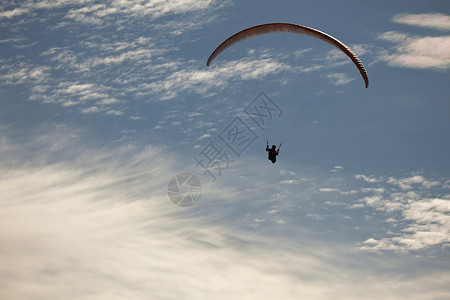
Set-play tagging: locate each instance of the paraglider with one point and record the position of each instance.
(288, 28)
(272, 152)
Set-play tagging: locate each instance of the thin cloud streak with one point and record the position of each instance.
(91, 12)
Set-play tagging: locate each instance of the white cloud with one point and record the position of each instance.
(446, 184)
(12, 40)
(429, 225)
(417, 52)
(159, 8)
(194, 114)
(139, 56)
(133, 66)
(366, 178)
(409, 182)
(432, 20)
(424, 221)
(204, 136)
(280, 221)
(377, 190)
(428, 52)
(316, 216)
(90, 110)
(89, 11)
(19, 74)
(339, 78)
(298, 54)
(215, 78)
(374, 201)
(328, 190)
(350, 192)
(289, 181)
(13, 13)
(92, 13)
(131, 60)
(102, 217)
(84, 224)
(79, 85)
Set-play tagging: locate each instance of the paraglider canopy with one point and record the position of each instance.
(290, 28)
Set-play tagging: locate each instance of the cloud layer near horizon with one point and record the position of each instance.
(100, 226)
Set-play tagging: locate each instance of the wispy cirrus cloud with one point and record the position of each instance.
(209, 81)
(95, 12)
(102, 216)
(13, 13)
(332, 59)
(71, 78)
(339, 78)
(114, 71)
(137, 65)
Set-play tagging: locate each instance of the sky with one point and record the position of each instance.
(131, 170)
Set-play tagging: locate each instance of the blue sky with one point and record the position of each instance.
(103, 103)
